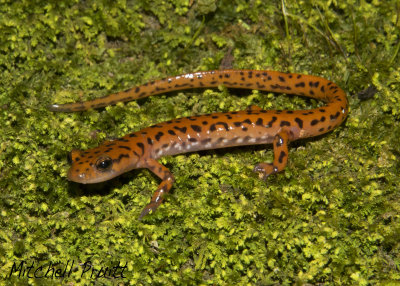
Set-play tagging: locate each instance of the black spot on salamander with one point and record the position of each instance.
(260, 86)
(181, 85)
(142, 94)
(165, 145)
(281, 78)
(241, 73)
(274, 118)
(95, 152)
(298, 76)
(259, 122)
(143, 132)
(250, 74)
(244, 128)
(284, 123)
(213, 126)
(124, 147)
(122, 140)
(159, 135)
(214, 116)
(314, 122)
(322, 110)
(228, 116)
(220, 139)
(299, 122)
(248, 121)
(181, 129)
(110, 144)
(196, 128)
(191, 139)
(234, 112)
(289, 111)
(108, 150)
(322, 119)
(149, 141)
(333, 117)
(311, 92)
(246, 138)
(205, 141)
(275, 86)
(281, 156)
(227, 75)
(204, 122)
(141, 146)
(264, 73)
(322, 129)
(300, 84)
(223, 124)
(323, 88)
(120, 157)
(237, 123)
(172, 132)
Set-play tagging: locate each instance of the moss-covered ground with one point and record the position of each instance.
(332, 217)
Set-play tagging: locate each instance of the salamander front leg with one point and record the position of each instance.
(167, 181)
(280, 146)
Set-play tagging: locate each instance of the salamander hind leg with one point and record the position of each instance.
(165, 186)
(280, 147)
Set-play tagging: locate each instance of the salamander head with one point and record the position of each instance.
(98, 165)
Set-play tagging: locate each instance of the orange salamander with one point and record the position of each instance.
(141, 149)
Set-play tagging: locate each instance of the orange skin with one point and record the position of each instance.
(141, 149)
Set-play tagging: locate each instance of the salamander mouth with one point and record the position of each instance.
(85, 178)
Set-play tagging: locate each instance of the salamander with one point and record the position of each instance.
(142, 148)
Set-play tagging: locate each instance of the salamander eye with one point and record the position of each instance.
(104, 164)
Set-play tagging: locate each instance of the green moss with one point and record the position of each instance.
(331, 217)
